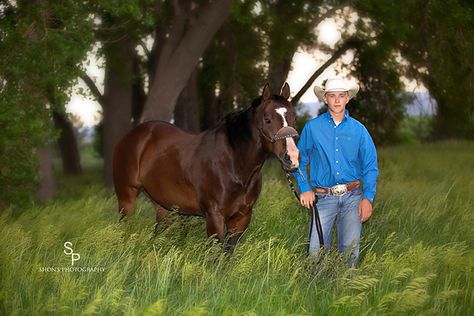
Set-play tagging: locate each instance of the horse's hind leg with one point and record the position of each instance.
(161, 213)
(126, 200)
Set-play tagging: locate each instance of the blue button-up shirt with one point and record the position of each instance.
(337, 154)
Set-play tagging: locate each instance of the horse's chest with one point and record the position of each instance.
(244, 197)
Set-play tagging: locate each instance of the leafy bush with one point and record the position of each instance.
(416, 129)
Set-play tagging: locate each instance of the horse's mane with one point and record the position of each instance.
(237, 124)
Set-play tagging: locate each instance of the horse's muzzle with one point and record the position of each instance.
(287, 164)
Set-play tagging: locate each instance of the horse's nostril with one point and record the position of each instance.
(287, 157)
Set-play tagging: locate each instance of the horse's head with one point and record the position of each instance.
(276, 123)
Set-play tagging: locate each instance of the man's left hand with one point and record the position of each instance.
(365, 209)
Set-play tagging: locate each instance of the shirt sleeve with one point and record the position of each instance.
(368, 155)
(305, 146)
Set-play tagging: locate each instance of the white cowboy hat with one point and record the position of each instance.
(336, 84)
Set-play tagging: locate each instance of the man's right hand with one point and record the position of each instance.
(307, 199)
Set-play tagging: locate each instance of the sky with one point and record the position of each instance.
(303, 66)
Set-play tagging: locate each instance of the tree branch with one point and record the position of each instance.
(177, 29)
(348, 44)
(145, 49)
(330, 12)
(93, 88)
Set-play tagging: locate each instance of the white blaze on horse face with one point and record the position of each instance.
(291, 148)
(282, 112)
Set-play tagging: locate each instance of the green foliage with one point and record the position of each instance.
(232, 64)
(417, 252)
(255, 47)
(301, 121)
(436, 39)
(98, 137)
(416, 129)
(379, 104)
(22, 131)
(41, 44)
(288, 26)
(450, 65)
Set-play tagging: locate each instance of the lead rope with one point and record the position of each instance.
(314, 208)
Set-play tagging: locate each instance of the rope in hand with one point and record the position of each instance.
(314, 209)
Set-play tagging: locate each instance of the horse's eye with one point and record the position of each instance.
(268, 121)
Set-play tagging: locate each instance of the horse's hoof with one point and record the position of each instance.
(121, 217)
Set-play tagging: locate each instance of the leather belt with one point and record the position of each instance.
(338, 189)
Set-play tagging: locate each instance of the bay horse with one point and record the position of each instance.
(215, 174)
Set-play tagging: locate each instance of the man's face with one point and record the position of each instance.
(336, 101)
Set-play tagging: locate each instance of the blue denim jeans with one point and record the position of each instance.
(344, 210)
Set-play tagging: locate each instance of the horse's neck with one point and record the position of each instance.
(248, 159)
(245, 145)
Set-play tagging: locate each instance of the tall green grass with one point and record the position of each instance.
(417, 251)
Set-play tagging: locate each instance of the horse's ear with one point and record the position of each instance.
(285, 91)
(267, 92)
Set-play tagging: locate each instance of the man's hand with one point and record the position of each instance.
(365, 209)
(307, 199)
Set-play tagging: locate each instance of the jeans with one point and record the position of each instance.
(345, 211)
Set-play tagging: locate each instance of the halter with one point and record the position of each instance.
(283, 133)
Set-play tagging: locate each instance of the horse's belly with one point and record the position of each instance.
(171, 193)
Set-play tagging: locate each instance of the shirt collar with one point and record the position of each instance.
(346, 116)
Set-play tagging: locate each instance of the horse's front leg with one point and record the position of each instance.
(236, 226)
(215, 225)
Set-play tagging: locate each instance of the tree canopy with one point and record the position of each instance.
(41, 44)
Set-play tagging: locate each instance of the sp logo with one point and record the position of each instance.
(69, 252)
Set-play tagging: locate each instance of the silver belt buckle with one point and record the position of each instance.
(339, 189)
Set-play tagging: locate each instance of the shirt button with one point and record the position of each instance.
(337, 138)
(337, 173)
(337, 161)
(337, 149)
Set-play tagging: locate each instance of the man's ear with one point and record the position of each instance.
(285, 91)
(267, 92)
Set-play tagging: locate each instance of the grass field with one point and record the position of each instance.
(417, 251)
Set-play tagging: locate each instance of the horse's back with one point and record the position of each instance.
(152, 132)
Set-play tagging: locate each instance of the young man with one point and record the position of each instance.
(343, 170)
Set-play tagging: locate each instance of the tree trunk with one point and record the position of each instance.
(210, 109)
(117, 97)
(179, 57)
(186, 113)
(67, 145)
(228, 79)
(47, 183)
(138, 91)
(278, 73)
